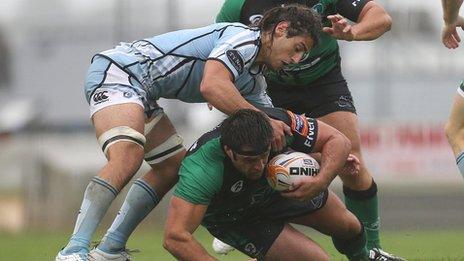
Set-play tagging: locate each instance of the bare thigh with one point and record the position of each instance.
(334, 219)
(294, 245)
(124, 157)
(347, 123)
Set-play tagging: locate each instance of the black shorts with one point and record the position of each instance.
(327, 94)
(254, 235)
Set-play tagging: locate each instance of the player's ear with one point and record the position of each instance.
(281, 29)
(228, 152)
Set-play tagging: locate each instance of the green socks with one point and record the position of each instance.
(364, 204)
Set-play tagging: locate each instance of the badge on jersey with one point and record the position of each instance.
(236, 60)
(299, 123)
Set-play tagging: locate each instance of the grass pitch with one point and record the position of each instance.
(412, 245)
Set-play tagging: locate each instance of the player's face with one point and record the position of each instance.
(285, 51)
(251, 166)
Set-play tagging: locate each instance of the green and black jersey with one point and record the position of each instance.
(207, 176)
(321, 58)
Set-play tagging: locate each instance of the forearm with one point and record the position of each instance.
(372, 26)
(186, 248)
(225, 97)
(333, 158)
(451, 10)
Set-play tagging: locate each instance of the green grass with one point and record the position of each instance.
(413, 245)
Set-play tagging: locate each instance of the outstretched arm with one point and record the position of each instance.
(183, 219)
(373, 21)
(449, 35)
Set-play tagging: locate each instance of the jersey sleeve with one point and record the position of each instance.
(351, 8)
(200, 178)
(236, 49)
(304, 132)
(230, 11)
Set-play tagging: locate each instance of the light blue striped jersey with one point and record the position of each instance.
(171, 65)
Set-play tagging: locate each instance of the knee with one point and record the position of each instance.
(127, 157)
(350, 227)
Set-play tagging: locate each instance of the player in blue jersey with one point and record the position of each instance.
(454, 128)
(221, 64)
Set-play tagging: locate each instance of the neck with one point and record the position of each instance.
(264, 50)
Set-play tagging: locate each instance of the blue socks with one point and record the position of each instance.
(97, 198)
(460, 162)
(139, 202)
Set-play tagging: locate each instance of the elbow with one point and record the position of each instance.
(206, 89)
(169, 242)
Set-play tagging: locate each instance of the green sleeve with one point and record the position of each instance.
(200, 177)
(230, 11)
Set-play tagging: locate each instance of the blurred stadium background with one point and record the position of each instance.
(403, 85)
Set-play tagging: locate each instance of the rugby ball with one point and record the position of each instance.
(285, 168)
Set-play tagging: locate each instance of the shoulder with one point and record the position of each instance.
(230, 11)
(201, 173)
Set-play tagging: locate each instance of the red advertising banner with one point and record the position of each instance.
(403, 151)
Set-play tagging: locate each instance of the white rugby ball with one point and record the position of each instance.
(285, 168)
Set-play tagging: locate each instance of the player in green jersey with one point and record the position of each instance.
(222, 186)
(316, 87)
(454, 128)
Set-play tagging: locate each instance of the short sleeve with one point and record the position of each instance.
(236, 49)
(351, 8)
(200, 178)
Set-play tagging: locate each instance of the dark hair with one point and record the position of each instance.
(303, 21)
(247, 127)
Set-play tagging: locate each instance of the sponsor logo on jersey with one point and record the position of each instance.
(236, 60)
(100, 97)
(355, 2)
(237, 187)
(318, 200)
(345, 102)
(127, 94)
(299, 123)
(310, 138)
(250, 249)
(254, 19)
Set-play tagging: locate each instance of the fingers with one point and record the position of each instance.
(450, 37)
(210, 107)
(450, 42)
(456, 36)
(287, 129)
(328, 30)
(280, 130)
(340, 29)
(347, 29)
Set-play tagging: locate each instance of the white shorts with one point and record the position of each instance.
(107, 84)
